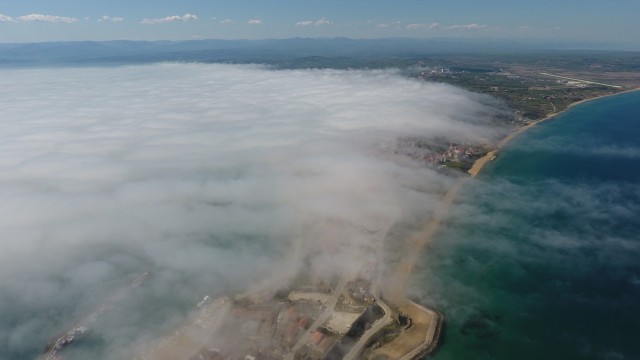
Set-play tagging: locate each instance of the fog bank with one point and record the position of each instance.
(207, 176)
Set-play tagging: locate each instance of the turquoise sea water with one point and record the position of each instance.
(540, 257)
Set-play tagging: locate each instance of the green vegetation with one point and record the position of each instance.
(533, 96)
(515, 78)
(454, 164)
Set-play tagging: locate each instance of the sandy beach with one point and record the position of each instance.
(481, 162)
(394, 291)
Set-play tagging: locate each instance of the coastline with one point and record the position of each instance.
(395, 293)
(424, 334)
(479, 164)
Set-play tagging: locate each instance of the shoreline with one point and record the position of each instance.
(416, 341)
(395, 293)
(479, 164)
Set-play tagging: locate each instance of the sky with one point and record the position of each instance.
(210, 177)
(571, 20)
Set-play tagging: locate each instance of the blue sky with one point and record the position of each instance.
(583, 20)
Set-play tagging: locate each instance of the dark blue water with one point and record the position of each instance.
(540, 258)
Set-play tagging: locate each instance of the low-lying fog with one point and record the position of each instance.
(207, 176)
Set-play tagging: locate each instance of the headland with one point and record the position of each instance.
(364, 315)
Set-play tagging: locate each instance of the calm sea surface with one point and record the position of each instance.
(540, 257)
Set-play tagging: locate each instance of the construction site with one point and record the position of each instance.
(344, 318)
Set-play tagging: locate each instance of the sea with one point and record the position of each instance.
(540, 255)
(539, 258)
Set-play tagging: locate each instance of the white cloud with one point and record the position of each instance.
(168, 19)
(46, 18)
(323, 21)
(396, 24)
(5, 18)
(319, 22)
(205, 175)
(435, 25)
(254, 22)
(528, 28)
(227, 21)
(467, 27)
(106, 18)
(431, 26)
(304, 23)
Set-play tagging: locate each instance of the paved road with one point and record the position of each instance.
(353, 353)
(357, 348)
(322, 318)
(580, 80)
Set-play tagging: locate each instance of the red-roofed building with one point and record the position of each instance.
(292, 314)
(302, 324)
(316, 338)
(326, 344)
(292, 331)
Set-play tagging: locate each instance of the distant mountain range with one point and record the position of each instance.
(284, 52)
